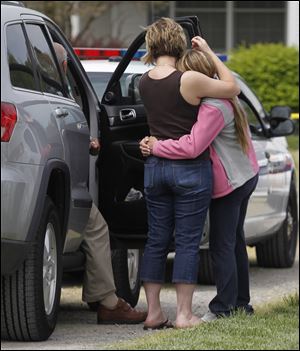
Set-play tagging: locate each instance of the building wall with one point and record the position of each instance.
(225, 24)
(293, 23)
(119, 26)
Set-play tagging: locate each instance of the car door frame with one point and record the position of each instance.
(80, 200)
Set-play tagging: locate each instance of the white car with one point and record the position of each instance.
(271, 222)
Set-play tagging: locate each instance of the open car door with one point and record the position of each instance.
(123, 124)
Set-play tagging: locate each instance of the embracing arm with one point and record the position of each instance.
(209, 123)
(203, 86)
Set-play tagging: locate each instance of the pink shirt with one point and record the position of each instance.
(214, 129)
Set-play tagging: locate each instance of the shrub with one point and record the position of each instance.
(271, 70)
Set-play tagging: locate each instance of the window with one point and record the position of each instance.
(212, 18)
(100, 80)
(227, 24)
(259, 21)
(50, 78)
(252, 119)
(19, 61)
(259, 4)
(252, 98)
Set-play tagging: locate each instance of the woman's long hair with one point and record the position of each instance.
(200, 61)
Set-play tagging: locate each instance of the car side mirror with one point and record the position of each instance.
(280, 122)
(281, 127)
(283, 112)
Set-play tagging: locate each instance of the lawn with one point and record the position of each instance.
(293, 141)
(273, 327)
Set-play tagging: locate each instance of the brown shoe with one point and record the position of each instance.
(123, 313)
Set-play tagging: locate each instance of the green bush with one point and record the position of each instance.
(271, 70)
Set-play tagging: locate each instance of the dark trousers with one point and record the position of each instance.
(228, 249)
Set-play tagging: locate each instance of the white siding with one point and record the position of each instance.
(293, 23)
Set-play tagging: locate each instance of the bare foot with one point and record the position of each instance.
(183, 322)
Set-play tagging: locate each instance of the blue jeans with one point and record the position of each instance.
(178, 195)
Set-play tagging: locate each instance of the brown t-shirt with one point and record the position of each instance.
(169, 115)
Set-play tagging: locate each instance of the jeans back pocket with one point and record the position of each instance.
(191, 175)
(149, 170)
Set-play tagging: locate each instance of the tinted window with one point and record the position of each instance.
(100, 81)
(252, 119)
(252, 98)
(50, 78)
(20, 65)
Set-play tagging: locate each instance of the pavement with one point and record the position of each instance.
(77, 329)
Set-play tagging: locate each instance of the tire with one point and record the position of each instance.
(26, 315)
(205, 274)
(280, 250)
(126, 267)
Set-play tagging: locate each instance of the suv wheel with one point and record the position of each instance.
(126, 267)
(205, 274)
(280, 250)
(30, 297)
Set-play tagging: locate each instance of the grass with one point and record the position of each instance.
(273, 327)
(295, 154)
(293, 142)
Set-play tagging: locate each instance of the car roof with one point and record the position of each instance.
(13, 12)
(110, 66)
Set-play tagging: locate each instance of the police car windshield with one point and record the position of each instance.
(100, 72)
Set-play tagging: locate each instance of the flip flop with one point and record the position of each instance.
(164, 325)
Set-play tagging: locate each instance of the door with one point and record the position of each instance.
(70, 121)
(123, 123)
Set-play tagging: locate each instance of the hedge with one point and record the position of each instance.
(271, 70)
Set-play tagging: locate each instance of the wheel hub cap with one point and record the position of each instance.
(49, 268)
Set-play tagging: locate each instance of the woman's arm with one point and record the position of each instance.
(203, 86)
(209, 123)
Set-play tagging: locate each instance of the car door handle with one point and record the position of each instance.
(61, 112)
(127, 114)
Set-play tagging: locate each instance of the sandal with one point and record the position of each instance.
(164, 325)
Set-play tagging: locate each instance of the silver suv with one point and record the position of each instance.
(44, 170)
(47, 175)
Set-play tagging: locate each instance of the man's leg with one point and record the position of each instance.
(98, 282)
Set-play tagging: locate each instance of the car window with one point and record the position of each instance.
(73, 89)
(252, 98)
(252, 119)
(254, 123)
(19, 61)
(50, 78)
(100, 80)
(73, 81)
